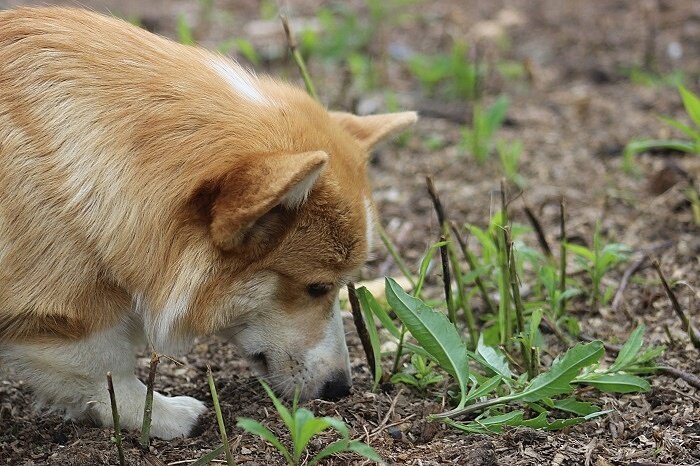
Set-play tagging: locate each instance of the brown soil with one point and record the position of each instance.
(574, 114)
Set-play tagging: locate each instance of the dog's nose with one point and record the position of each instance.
(337, 387)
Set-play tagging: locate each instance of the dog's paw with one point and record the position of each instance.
(175, 416)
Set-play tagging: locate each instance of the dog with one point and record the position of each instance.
(152, 192)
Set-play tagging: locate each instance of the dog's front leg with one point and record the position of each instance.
(71, 377)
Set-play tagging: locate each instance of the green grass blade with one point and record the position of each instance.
(365, 450)
(371, 326)
(378, 311)
(434, 333)
(691, 102)
(209, 457)
(284, 413)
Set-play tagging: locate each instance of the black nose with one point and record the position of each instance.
(337, 387)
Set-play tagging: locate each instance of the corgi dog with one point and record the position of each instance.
(152, 192)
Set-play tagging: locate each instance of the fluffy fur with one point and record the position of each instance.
(154, 190)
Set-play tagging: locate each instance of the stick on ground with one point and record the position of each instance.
(361, 327)
(115, 420)
(148, 406)
(685, 322)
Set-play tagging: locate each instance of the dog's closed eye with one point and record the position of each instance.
(316, 290)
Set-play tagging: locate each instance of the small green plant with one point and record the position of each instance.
(419, 374)
(509, 153)
(597, 262)
(691, 103)
(451, 75)
(478, 140)
(303, 426)
(580, 365)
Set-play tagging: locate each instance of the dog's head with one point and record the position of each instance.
(292, 226)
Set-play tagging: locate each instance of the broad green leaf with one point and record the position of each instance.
(493, 359)
(691, 102)
(581, 251)
(334, 448)
(306, 427)
(572, 405)
(629, 350)
(281, 409)
(484, 388)
(535, 320)
(365, 450)
(254, 427)
(434, 333)
(562, 372)
(378, 311)
(371, 326)
(616, 383)
(338, 425)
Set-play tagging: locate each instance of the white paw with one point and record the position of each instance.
(175, 416)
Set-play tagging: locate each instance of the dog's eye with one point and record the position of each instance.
(316, 290)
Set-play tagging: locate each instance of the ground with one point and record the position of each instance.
(574, 111)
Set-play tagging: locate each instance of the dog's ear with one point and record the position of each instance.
(370, 130)
(249, 204)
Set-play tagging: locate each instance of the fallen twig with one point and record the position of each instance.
(685, 322)
(392, 406)
(361, 327)
(148, 406)
(631, 270)
(115, 420)
(638, 265)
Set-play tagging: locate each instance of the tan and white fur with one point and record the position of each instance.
(152, 192)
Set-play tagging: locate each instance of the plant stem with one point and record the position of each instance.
(562, 258)
(685, 322)
(504, 320)
(520, 313)
(539, 232)
(148, 406)
(400, 263)
(399, 351)
(463, 302)
(219, 417)
(447, 282)
(361, 327)
(471, 261)
(298, 59)
(115, 420)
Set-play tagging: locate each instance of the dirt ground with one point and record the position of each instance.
(574, 112)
